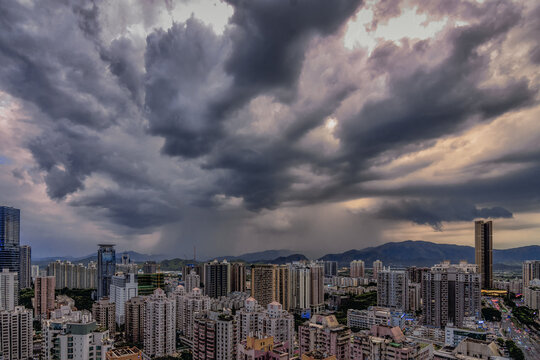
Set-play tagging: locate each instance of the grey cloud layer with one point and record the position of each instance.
(204, 95)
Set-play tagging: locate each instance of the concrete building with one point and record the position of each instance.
(9, 290)
(386, 342)
(358, 269)
(160, 325)
(123, 288)
(262, 349)
(330, 268)
(374, 315)
(325, 335)
(451, 293)
(104, 312)
(134, 319)
(530, 271)
(16, 334)
(44, 296)
(233, 301)
(150, 267)
(248, 319)
(25, 260)
(377, 266)
(392, 289)
(483, 251)
(469, 349)
(10, 223)
(238, 277)
(317, 288)
(277, 323)
(106, 268)
(215, 337)
(455, 335)
(531, 294)
(262, 283)
(217, 278)
(415, 297)
(187, 307)
(125, 353)
(75, 336)
(192, 281)
(300, 288)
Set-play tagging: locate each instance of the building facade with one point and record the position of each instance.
(326, 336)
(159, 325)
(16, 334)
(393, 289)
(134, 319)
(357, 269)
(238, 277)
(10, 223)
(44, 296)
(9, 289)
(123, 288)
(25, 275)
(530, 271)
(106, 268)
(104, 312)
(483, 251)
(217, 278)
(451, 293)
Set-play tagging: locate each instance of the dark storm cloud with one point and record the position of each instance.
(262, 51)
(428, 103)
(434, 212)
(58, 70)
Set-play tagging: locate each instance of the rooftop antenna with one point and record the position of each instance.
(194, 253)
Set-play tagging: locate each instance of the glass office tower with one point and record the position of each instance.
(10, 219)
(106, 268)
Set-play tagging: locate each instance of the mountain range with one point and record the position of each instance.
(397, 254)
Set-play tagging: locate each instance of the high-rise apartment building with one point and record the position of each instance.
(483, 251)
(278, 323)
(150, 267)
(16, 334)
(123, 288)
(317, 288)
(104, 312)
(44, 296)
(300, 288)
(217, 278)
(25, 264)
(106, 268)
(9, 290)
(188, 305)
(530, 271)
(358, 269)
(159, 325)
(450, 294)
(192, 281)
(330, 268)
(377, 266)
(215, 337)
(73, 276)
(415, 297)
(10, 222)
(393, 289)
(325, 335)
(263, 284)
(282, 286)
(238, 277)
(248, 319)
(135, 309)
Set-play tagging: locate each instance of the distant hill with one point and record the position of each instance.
(285, 259)
(424, 253)
(259, 256)
(133, 255)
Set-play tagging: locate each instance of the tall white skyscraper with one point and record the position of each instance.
(357, 269)
(123, 288)
(159, 325)
(300, 287)
(393, 289)
(9, 290)
(16, 334)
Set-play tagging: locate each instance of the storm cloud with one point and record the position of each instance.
(156, 127)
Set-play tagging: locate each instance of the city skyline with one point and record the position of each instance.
(169, 125)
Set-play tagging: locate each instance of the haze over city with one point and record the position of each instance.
(240, 126)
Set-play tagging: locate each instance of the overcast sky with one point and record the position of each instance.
(238, 126)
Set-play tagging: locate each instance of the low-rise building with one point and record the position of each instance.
(265, 348)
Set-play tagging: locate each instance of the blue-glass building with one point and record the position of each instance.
(10, 223)
(106, 268)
